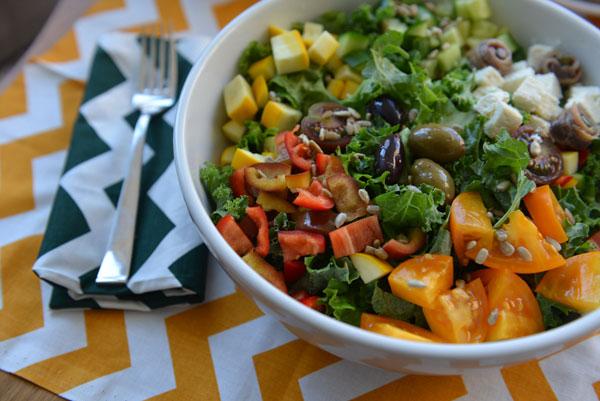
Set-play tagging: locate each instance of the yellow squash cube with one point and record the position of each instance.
(280, 116)
(227, 155)
(243, 158)
(239, 101)
(323, 49)
(260, 91)
(275, 30)
(289, 52)
(311, 32)
(345, 73)
(336, 88)
(334, 63)
(349, 88)
(370, 267)
(234, 130)
(264, 67)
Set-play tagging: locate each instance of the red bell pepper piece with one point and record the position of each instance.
(398, 250)
(238, 182)
(293, 270)
(258, 216)
(299, 152)
(234, 235)
(296, 243)
(354, 237)
(313, 198)
(583, 156)
(563, 180)
(312, 301)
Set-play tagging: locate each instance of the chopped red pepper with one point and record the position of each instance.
(398, 250)
(296, 243)
(583, 156)
(563, 180)
(258, 216)
(322, 160)
(312, 301)
(354, 237)
(293, 270)
(238, 182)
(234, 235)
(314, 198)
(329, 164)
(299, 152)
(249, 228)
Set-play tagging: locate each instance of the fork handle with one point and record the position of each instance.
(116, 263)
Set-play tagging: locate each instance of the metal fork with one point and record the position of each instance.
(157, 85)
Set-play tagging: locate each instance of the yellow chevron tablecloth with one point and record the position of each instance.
(224, 348)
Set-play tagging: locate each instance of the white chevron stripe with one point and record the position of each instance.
(344, 380)
(574, 371)
(63, 331)
(233, 364)
(218, 283)
(486, 384)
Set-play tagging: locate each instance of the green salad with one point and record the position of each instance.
(413, 170)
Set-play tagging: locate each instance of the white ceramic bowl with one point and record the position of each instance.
(591, 8)
(198, 139)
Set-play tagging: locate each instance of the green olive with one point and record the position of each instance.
(425, 171)
(436, 142)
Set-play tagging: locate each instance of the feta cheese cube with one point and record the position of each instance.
(488, 99)
(513, 80)
(323, 48)
(289, 52)
(539, 124)
(532, 97)
(488, 76)
(519, 65)
(504, 116)
(536, 55)
(588, 97)
(550, 82)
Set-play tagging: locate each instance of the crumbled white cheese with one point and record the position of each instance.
(488, 76)
(532, 97)
(539, 124)
(536, 55)
(519, 65)
(550, 83)
(513, 80)
(588, 98)
(503, 116)
(488, 98)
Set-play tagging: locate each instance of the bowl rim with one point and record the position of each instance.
(553, 339)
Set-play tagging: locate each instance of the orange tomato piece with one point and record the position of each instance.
(369, 321)
(546, 212)
(521, 233)
(422, 279)
(514, 311)
(469, 222)
(460, 315)
(577, 284)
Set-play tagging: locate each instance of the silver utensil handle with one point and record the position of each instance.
(116, 263)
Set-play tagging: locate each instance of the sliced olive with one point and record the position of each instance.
(389, 158)
(386, 108)
(425, 171)
(436, 142)
(318, 222)
(492, 52)
(546, 162)
(323, 116)
(574, 129)
(566, 68)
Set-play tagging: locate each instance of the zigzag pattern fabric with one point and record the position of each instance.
(223, 349)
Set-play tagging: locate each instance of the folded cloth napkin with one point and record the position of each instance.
(169, 258)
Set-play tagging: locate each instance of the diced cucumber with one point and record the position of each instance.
(430, 66)
(452, 35)
(484, 29)
(394, 24)
(509, 41)
(449, 58)
(420, 30)
(464, 27)
(351, 41)
(473, 9)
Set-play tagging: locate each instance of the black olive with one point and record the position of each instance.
(389, 158)
(322, 115)
(492, 52)
(574, 129)
(566, 68)
(546, 163)
(387, 109)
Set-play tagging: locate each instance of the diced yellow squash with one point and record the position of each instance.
(323, 48)
(234, 130)
(311, 32)
(298, 181)
(243, 158)
(289, 52)
(334, 63)
(269, 145)
(345, 73)
(260, 91)
(570, 162)
(370, 267)
(280, 116)
(269, 202)
(227, 155)
(572, 183)
(349, 88)
(275, 30)
(264, 67)
(239, 101)
(336, 87)
(396, 332)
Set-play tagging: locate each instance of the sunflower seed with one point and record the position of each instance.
(569, 216)
(354, 113)
(342, 113)
(460, 283)
(364, 195)
(413, 188)
(322, 134)
(373, 209)
(303, 138)
(381, 253)
(427, 256)
(402, 238)
(327, 114)
(471, 245)
(482, 256)
(331, 135)
(525, 254)
(555, 244)
(261, 174)
(340, 219)
(445, 46)
(535, 149)
(377, 243)
(490, 215)
(493, 317)
(313, 169)
(370, 250)
(412, 115)
(507, 249)
(315, 146)
(416, 283)
(326, 192)
(501, 235)
(503, 186)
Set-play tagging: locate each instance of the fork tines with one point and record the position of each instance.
(158, 65)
